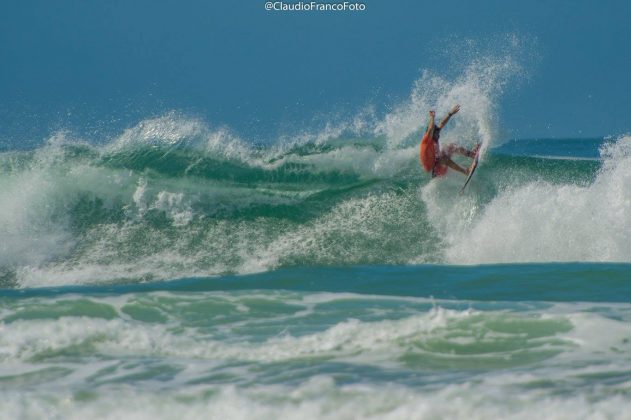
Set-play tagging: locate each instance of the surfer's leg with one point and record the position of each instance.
(452, 148)
(446, 160)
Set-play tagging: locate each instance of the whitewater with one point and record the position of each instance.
(177, 270)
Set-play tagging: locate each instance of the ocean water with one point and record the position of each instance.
(179, 271)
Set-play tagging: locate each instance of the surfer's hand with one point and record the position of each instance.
(432, 114)
(454, 110)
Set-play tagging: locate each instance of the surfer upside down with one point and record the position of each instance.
(436, 159)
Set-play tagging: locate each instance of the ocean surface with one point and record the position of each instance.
(176, 270)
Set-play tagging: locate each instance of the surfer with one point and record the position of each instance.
(436, 159)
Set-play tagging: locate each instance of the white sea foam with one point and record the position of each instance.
(543, 221)
(483, 336)
(23, 340)
(31, 229)
(318, 398)
(106, 380)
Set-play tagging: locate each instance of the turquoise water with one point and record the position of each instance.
(179, 271)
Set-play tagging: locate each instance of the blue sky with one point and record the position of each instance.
(95, 67)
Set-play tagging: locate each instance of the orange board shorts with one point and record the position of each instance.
(429, 157)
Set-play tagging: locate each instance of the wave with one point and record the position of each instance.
(77, 213)
(540, 220)
(173, 197)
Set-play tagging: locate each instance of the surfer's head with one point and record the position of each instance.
(436, 133)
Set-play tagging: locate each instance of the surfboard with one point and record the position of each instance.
(472, 169)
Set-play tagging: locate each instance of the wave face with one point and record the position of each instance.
(173, 197)
(76, 212)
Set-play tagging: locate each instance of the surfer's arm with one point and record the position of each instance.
(430, 126)
(444, 121)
